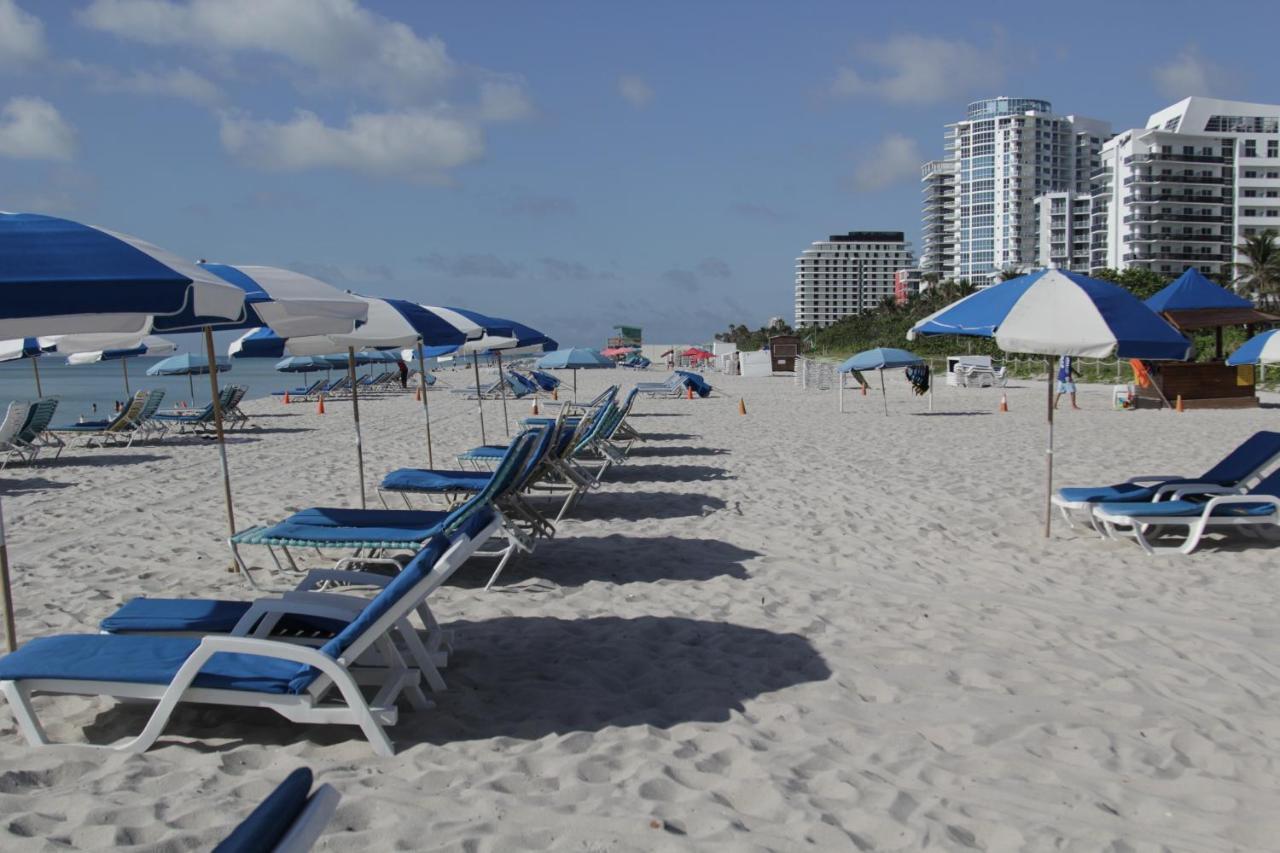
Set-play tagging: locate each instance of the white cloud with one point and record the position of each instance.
(173, 82)
(634, 90)
(1189, 74)
(21, 35)
(419, 144)
(916, 69)
(895, 158)
(504, 99)
(337, 41)
(32, 129)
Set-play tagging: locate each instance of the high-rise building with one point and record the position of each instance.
(906, 284)
(1005, 153)
(1201, 176)
(1063, 231)
(847, 274)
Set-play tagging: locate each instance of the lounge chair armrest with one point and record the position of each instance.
(1153, 478)
(1182, 490)
(316, 577)
(216, 643)
(1232, 500)
(257, 622)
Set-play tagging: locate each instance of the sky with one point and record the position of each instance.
(572, 165)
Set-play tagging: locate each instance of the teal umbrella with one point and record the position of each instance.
(188, 364)
(575, 359)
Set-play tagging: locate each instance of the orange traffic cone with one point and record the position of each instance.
(320, 406)
(864, 390)
(1004, 402)
(555, 395)
(417, 394)
(742, 406)
(689, 388)
(286, 398)
(535, 406)
(1178, 405)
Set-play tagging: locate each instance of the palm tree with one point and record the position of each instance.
(1260, 271)
(1008, 273)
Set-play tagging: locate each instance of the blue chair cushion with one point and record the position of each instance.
(424, 480)
(1116, 493)
(487, 451)
(202, 616)
(288, 532)
(142, 659)
(1185, 509)
(324, 516)
(266, 825)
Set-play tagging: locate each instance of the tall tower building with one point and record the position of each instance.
(1005, 153)
(847, 274)
(1203, 175)
(938, 228)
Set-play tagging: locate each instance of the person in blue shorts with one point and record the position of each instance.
(1066, 380)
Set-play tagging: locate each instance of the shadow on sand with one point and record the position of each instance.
(97, 458)
(578, 560)
(641, 450)
(640, 506)
(10, 487)
(631, 473)
(669, 436)
(530, 677)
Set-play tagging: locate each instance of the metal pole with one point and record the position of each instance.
(426, 407)
(475, 364)
(124, 368)
(10, 633)
(502, 388)
(217, 425)
(191, 386)
(1048, 480)
(884, 394)
(575, 385)
(35, 368)
(355, 413)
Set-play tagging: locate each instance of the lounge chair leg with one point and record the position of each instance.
(20, 701)
(502, 564)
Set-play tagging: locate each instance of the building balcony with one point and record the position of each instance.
(1179, 256)
(1188, 198)
(1176, 158)
(1174, 217)
(1177, 238)
(1139, 180)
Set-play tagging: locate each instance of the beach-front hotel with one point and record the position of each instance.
(1203, 175)
(848, 274)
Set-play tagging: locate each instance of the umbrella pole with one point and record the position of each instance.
(575, 385)
(191, 386)
(124, 368)
(884, 394)
(841, 375)
(10, 633)
(217, 426)
(426, 407)
(1048, 480)
(475, 364)
(502, 387)
(35, 368)
(355, 413)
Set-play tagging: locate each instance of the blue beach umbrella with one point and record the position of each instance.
(258, 342)
(301, 364)
(500, 335)
(1055, 313)
(188, 364)
(150, 345)
(575, 359)
(29, 348)
(1262, 348)
(878, 359)
(61, 277)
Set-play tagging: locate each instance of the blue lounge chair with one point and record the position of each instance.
(301, 393)
(544, 380)
(1197, 508)
(1235, 471)
(289, 820)
(302, 684)
(122, 427)
(15, 418)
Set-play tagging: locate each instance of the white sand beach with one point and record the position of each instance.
(793, 630)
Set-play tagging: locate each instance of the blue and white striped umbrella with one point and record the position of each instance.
(149, 345)
(1262, 348)
(302, 364)
(1055, 312)
(258, 342)
(60, 277)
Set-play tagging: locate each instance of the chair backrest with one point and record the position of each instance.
(548, 435)
(1268, 485)
(503, 481)
(15, 418)
(1251, 456)
(397, 599)
(38, 419)
(267, 824)
(152, 406)
(236, 396)
(599, 420)
(129, 417)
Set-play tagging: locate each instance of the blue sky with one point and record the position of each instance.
(571, 165)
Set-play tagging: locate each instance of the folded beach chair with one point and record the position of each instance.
(110, 431)
(15, 418)
(301, 393)
(199, 420)
(302, 684)
(1248, 461)
(544, 380)
(519, 385)
(1197, 508)
(289, 820)
(374, 537)
(670, 387)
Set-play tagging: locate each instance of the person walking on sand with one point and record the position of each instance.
(404, 373)
(1066, 380)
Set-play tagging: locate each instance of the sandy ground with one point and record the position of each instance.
(791, 630)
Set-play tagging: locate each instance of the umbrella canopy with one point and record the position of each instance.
(612, 351)
(1191, 291)
(696, 352)
(574, 358)
(879, 359)
(62, 277)
(258, 342)
(1054, 312)
(187, 364)
(16, 348)
(1260, 349)
(150, 345)
(393, 323)
(302, 364)
(499, 333)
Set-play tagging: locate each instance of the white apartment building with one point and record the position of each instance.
(938, 226)
(1183, 191)
(847, 274)
(1005, 153)
(1063, 228)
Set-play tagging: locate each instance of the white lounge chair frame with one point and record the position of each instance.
(1139, 527)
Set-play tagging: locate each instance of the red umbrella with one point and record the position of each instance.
(612, 351)
(696, 353)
